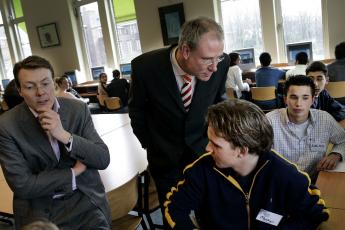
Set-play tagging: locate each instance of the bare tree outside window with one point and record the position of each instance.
(93, 34)
(128, 40)
(242, 25)
(302, 21)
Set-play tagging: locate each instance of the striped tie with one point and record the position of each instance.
(186, 91)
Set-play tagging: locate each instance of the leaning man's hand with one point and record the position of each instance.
(329, 162)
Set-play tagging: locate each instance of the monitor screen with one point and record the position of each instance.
(96, 71)
(5, 82)
(72, 76)
(294, 48)
(126, 69)
(247, 58)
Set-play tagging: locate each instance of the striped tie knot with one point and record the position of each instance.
(186, 91)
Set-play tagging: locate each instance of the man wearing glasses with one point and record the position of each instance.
(171, 90)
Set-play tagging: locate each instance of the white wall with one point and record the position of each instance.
(39, 12)
(148, 18)
(335, 23)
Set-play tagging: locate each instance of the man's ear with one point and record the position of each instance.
(284, 99)
(243, 151)
(327, 79)
(185, 50)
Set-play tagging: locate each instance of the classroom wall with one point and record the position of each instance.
(63, 57)
(148, 18)
(335, 23)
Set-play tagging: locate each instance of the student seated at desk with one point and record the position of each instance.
(302, 134)
(11, 95)
(102, 85)
(241, 183)
(336, 70)
(301, 65)
(119, 87)
(234, 79)
(266, 75)
(317, 71)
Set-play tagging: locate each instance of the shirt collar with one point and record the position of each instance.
(286, 119)
(178, 71)
(56, 107)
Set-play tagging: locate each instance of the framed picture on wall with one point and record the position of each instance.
(48, 35)
(171, 19)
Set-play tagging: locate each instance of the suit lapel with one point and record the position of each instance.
(32, 128)
(168, 78)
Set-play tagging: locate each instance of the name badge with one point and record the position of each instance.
(317, 147)
(269, 217)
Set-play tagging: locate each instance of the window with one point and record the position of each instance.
(242, 25)
(93, 36)
(5, 57)
(303, 23)
(22, 38)
(128, 41)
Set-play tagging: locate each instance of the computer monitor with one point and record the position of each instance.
(126, 70)
(72, 76)
(294, 48)
(247, 58)
(5, 82)
(96, 71)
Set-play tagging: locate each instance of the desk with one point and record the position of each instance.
(88, 90)
(127, 158)
(332, 186)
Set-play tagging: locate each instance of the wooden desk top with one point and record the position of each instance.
(335, 221)
(332, 186)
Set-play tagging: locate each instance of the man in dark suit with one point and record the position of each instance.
(118, 88)
(50, 154)
(173, 129)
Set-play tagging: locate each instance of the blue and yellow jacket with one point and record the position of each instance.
(219, 201)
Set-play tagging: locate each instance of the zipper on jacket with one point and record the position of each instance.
(246, 195)
(247, 208)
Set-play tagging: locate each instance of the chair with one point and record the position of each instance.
(4, 105)
(112, 103)
(265, 97)
(122, 200)
(101, 99)
(149, 202)
(230, 92)
(337, 90)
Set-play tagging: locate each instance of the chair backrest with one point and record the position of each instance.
(263, 93)
(230, 92)
(123, 199)
(4, 105)
(112, 103)
(336, 89)
(101, 99)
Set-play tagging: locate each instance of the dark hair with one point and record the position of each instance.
(60, 79)
(192, 31)
(32, 63)
(340, 51)
(302, 58)
(116, 73)
(316, 66)
(101, 74)
(300, 80)
(233, 58)
(265, 59)
(241, 123)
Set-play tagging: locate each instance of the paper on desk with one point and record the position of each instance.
(339, 168)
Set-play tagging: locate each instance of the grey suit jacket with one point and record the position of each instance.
(32, 170)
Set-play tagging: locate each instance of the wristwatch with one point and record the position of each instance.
(69, 143)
